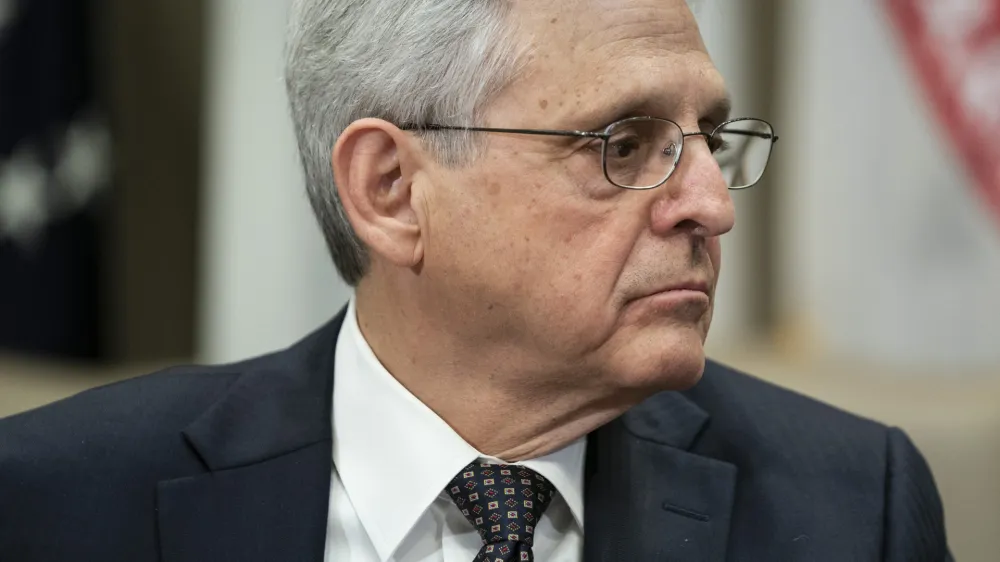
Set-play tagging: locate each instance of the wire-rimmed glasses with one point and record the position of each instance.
(642, 152)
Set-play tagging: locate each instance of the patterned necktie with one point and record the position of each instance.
(504, 502)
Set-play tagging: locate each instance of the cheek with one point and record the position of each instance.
(482, 238)
(577, 260)
(581, 240)
(537, 243)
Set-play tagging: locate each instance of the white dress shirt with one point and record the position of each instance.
(393, 457)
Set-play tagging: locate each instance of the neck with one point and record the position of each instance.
(505, 405)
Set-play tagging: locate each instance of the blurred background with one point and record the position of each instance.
(152, 209)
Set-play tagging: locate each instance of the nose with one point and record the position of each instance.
(696, 197)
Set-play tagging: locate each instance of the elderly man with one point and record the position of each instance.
(528, 198)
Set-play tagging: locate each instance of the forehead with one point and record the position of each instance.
(593, 59)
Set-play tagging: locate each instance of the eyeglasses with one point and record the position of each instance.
(642, 152)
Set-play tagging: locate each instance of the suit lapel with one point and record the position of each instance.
(647, 496)
(266, 445)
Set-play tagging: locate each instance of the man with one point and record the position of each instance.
(520, 374)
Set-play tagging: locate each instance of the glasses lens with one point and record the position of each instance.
(742, 149)
(640, 153)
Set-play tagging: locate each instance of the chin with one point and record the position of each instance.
(666, 358)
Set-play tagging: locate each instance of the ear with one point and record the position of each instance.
(374, 164)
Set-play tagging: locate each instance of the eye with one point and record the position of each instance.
(623, 146)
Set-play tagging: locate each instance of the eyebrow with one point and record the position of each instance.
(639, 104)
(721, 109)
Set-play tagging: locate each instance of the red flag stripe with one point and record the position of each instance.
(946, 70)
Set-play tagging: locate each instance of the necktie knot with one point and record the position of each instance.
(504, 503)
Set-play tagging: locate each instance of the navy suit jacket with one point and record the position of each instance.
(210, 464)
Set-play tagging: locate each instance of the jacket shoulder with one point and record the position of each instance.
(92, 460)
(738, 401)
(133, 410)
(138, 408)
(133, 426)
(839, 479)
(768, 430)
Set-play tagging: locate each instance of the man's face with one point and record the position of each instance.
(532, 249)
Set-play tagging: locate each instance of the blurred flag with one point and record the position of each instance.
(54, 154)
(954, 46)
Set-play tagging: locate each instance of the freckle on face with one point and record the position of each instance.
(543, 104)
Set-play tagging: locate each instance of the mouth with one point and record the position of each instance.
(688, 299)
(693, 286)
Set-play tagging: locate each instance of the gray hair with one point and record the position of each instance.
(405, 61)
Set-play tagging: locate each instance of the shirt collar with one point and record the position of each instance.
(564, 469)
(394, 455)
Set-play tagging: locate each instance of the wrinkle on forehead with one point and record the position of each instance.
(643, 30)
(582, 25)
(586, 54)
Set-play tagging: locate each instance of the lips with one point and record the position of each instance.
(691, 285)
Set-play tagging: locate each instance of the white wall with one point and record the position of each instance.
(266, 278)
